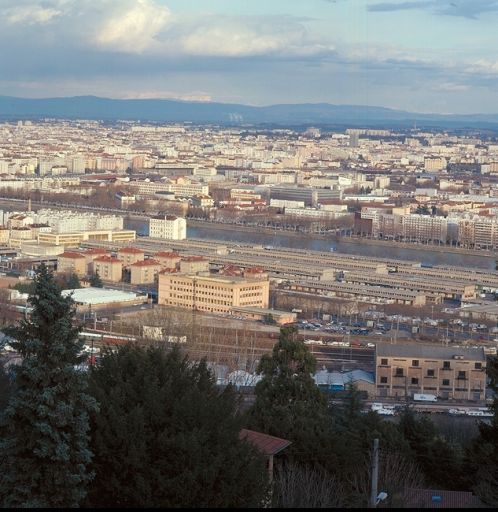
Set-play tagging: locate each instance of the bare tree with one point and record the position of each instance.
(303, 487)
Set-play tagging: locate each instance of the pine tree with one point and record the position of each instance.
(483, 453)
(44, 449)
(166, 436)
(288, 402)
(96, 281)
(73, 282)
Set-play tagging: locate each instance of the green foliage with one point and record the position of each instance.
(44, 450)
(483, 454)
(96, 281)
(423, 209)
(6, 386)
(166, 436)
(288, 402)
(436, 457)
(28, 288)
(73, 282)
(268, 319)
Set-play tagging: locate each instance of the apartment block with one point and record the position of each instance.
(144, 272)
(167, 259)
(108, 268)
(448, 373)
(194, 264)
(437, 163)
(170, 227)
(72, 262)
(130, 255)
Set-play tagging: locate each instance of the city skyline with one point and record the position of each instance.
(422, 56)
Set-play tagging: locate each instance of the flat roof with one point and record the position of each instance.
(263, 311)
(429, 352)
(99, 295)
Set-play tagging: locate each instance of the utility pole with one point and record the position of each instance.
(375, 474)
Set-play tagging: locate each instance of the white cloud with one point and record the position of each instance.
(133, 26)
(164, 94)
(31, 14)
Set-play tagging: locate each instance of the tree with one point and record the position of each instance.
(483, 454)
(166, 436)
(422, 209)
(6, 385)
(289, 404)
(95, 280)
(436, 457)
(73, 282)
(44, 447)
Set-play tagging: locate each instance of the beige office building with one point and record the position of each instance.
(448, 373)
(213, 293)
(75, 239)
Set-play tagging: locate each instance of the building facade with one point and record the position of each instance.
(212, 293)
(448, 373)
(170, 227)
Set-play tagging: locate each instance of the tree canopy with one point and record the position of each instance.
(44, 452)
(96, 281)
(166, 436)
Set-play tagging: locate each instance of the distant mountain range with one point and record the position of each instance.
(318, 114)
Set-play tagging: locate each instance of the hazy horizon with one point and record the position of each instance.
(421, 56)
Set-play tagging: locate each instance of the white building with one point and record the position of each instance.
(169, 226)
(64, 221)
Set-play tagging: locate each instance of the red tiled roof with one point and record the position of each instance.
(254, 270)
(231, 270)
(146, 263)
(427, 498)
(268, 445)
(168, 271)
(71, 255)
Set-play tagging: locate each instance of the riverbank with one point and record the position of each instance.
(388, 244)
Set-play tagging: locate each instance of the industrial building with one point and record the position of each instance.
(446, 372)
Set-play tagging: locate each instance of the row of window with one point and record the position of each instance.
(416, 364)
(415, 381)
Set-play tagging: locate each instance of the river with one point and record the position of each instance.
(281, 239)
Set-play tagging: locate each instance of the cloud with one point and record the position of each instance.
(471, 9)
(29, 13)
(133, 26)
(231, 36)
(390, 6)
(164, 94)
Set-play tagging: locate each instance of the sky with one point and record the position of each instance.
(436, 56)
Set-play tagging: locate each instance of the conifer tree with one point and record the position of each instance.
(289, 404)
(44, 447)
(166, 436)
(73, 282)
(483, 454)
(96, 281)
